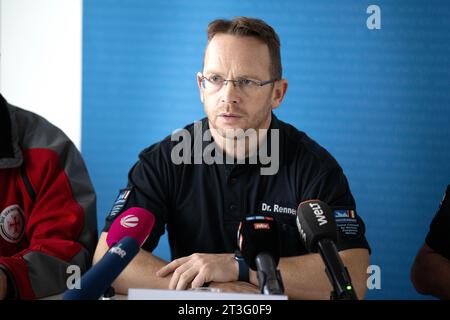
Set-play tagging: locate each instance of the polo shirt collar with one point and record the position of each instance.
(274, 124)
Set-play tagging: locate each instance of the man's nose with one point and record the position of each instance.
(230, 92)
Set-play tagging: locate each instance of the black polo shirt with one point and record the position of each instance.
(202, 204)
(438, 237)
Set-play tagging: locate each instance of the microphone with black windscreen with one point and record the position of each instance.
(259, 243)
(317, 227)
(125, 237)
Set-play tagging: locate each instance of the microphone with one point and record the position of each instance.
(134, 222)
(259, 243)
(126, 235)
(317, 227)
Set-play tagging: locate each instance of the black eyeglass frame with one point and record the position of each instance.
(240, 81)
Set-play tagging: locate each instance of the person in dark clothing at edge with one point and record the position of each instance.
(47, 207)
(201, 199)
(430, 273)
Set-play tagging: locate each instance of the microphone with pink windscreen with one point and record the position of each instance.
(135, 222)
(126, 235)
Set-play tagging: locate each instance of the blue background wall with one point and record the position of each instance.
(378, 100)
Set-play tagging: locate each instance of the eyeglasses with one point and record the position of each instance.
(214, 83)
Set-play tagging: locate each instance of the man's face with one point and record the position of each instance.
(236, 57)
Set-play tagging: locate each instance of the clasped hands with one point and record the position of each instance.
(221, 270)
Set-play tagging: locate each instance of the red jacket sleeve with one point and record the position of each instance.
(55, 223)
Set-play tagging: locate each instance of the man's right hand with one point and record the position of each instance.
(235, 287)
(3, 285)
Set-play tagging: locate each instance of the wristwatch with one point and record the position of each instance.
(243, 267)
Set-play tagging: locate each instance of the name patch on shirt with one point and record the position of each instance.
(278, 208)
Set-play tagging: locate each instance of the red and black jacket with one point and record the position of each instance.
(47, 205)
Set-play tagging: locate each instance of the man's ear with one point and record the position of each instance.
(200, 84)
(278, 92)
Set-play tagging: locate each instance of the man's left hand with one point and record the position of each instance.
(199, 268)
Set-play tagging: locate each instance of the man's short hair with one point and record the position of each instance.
(251, 27)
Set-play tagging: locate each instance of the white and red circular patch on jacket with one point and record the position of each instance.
(12, 223)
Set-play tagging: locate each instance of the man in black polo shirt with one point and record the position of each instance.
(430, 273)
(205, 179)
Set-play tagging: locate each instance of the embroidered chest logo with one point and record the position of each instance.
(12, 224)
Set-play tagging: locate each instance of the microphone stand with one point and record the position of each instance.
(269, 277)
(336, 271)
